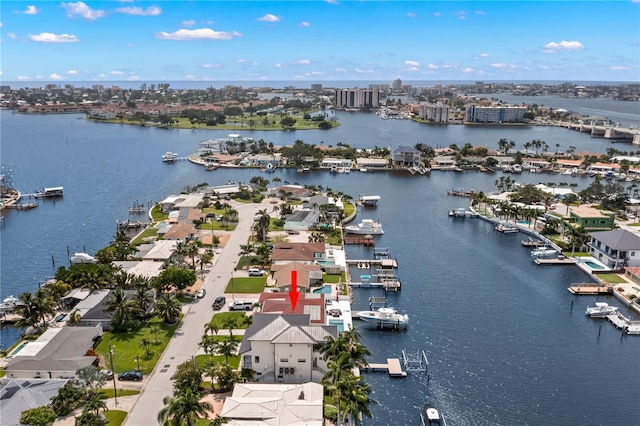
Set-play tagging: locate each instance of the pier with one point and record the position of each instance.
(461, 192)
(590, 289)
(557, 261)
(392, 367)
(621, 322)
(367, 242)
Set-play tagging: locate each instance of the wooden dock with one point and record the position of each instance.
(590, 289)
(367, 242)
(565, 261)
(392, 367)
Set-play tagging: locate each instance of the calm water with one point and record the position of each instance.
(504, 346)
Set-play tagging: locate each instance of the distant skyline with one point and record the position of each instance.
(319, 41)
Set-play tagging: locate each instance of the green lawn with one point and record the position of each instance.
(246, 285)
(246, 261)
(201, 360)
(127, 346)
(333, 279)
(611, 278)
(107, 392)
(150, 231)
(115, 417)
(157, 215)
(349, 209)
(237, 317)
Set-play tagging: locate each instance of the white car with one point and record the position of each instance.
(239, 305)
(200, 294)
(255, 272)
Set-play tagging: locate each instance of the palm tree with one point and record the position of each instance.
(168, 308)
(262, 224)
(142, 299)
(186, 407)
(122, 308)
(146, 343)
(45, 304)
(155, 329)
(229, 323)
(74, 317)
(227, 348)
(211, 326)
(356, 400)
(192, 250)
(218, 421)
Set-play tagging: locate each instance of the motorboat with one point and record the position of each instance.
(385, 317)
(369, 200)
(543, 251)
(365, 227)
(506, 228)
(516, 168)
(169, 157)
(430, 416)
(9, 303)
(600, 310)
(80, 258)
(53, 192)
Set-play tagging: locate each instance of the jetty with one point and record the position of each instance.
(556, 261)
(590, 289)
(366, 240)
(621, 322)
(391, 367)
(461, 192)
(369, 200)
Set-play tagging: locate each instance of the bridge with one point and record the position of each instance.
(605, 130)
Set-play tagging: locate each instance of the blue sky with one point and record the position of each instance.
(319, 40)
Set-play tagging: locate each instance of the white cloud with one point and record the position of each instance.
(303, 62)
(30, 10)
(363, 71)
(480, 12)
(134, 10)
(55, 76)
(189, 23)
(82, 10)
(553, 47)
(332, 1)
(432, 67)
(466, 70)
(620, 67)
(411, 15)
(484, 55)
(437, 14)
(278, 65)
(269, 18)
(72, 72)
(211, 66)
(198, 34)
(340, 70)
(413, 69)
(53, 38)
(498, 65)
(12, 36)
(23, 77)
(412, 63)
(116, 72)
(305, 24)
(461, 14)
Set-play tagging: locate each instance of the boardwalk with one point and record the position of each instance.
(590, 289)
(392, 367)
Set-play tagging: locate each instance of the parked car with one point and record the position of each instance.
(255, 272)
(107, 374)
(200, 294)
(239, 305)
(130, 375)
(219, 303)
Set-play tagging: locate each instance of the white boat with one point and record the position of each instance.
(9, 303)
(543, 251)
(169, 157)
(367, 226)
(506, 228)
(80, 258)
(430, 416)
(385, 317)
(516, 168)
(56, 191)
(600, 310)
(369, 200)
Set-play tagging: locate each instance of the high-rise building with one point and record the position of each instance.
(494, 114)
(357, 98)
(437, 113)
(396, 85)
(316, 87)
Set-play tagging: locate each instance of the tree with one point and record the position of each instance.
(230, 324)
(262, 225)
(146, 344)
(192, 250)
(40, 416)
(226, 348)
(122, 310)
(175, 277)
(288, 122)
(187, 377)
(68, 398)
(168, 308)
(155, 329)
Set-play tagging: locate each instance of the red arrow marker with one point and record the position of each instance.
(293, 294)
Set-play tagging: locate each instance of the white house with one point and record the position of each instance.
(285, 348)
(616, 249)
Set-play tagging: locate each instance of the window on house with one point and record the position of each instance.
(302, 360)
(284, 359)
(256, 359)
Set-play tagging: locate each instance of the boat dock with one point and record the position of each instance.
(367, 242)
(621, 322)
(392, 367)
(460, 192)
(377, 302)
(590, 289)
(557, 261)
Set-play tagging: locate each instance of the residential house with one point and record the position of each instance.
(18, 395)
(591, 219)
(146, 268)
(405, 156)
(301, 220)
(312, 304)
(330, 162)
(307, 253)
(292, 192)
(444, 161)
(616, 249)
(160, 250)
(285, 348)
(270, 404)
(307, 276)
(57, 353)
(371, 163)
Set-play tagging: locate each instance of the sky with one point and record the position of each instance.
(314, 40)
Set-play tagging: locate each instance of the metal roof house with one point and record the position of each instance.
(616, 249)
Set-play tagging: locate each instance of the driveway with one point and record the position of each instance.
(184, 345)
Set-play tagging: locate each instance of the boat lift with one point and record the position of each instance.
(417, 363)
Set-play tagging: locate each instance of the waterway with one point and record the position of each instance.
(504, 345)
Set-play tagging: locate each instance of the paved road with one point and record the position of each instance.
(184, 344)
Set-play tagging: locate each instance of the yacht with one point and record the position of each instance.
(543, 251)
(516, 168)
(506, 228)
(367, 226)
(79, 258)
(430, 416)
(8, 304)
(600, 310)
(50, 192)
(385, 317)
(169, 157)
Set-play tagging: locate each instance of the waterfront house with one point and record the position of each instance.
(144, 268)
(307, 276)
(444, 161)
(616, 249)
(535, 164)
(160, 250)
(284, 348)
(265, 160)
(292, 192)
(371, 163)
(312, 304)
(331, 163)
(301, 220)
(57, 353)
(181, 232)
(306, 253)
(18, 395)
(405, 156)
(274, 404)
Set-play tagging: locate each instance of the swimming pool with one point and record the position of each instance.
(593, 265)
(324, 289)
(18, 349)
(337, 323)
